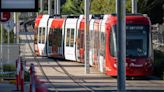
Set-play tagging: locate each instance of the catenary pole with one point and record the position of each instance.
(1, 48)
(41, 6)
(121, 45)
(134, 6)
(86, 37)
(15, 27)
(50, 7)
(58, 6)
(55, 6)
(8, 43)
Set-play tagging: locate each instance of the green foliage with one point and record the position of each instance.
(9, 67)
(128, 6)
(73, 7)
(12, 68)
(159, 63)
(102, 6)
(147, 5)
(96, 7)
(153, 8)
(5, 36)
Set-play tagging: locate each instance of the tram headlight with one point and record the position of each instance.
(115, 65)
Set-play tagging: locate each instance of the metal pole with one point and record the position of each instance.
(55, 7)
(86, 38)
(15, 27)
(49, 7)
(58, 6)
(41, 6)
(1, 48)
(116, 6)
(134, 6)
(121, 45)
(8, 43)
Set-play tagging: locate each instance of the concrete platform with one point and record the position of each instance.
(8, 87)
(68, 76)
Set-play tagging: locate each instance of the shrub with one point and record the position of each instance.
(159, 63)
(9, 67)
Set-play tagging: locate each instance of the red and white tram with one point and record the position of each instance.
(40, 38)
(64, 37)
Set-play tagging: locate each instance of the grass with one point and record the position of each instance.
(12, 68)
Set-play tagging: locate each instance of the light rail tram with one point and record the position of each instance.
(63, 37)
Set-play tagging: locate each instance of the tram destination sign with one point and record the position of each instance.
(19, 5)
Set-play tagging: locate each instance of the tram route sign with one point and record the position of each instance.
(19, 5)
(4, 16)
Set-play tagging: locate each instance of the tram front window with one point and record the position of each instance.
(137, 40)
(135, 47)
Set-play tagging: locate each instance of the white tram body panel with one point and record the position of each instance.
(70, 38)
(42, 34)
(91, 49)
(102, 43)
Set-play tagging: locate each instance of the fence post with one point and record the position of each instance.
(32, 78)
(17, 75)
(22, 76)
(18, 80)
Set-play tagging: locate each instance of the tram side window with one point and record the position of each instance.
(50, 37)
(39, 34)
(36, 36)
(102, 49)
(59, 32)
(92, 39)
(111, 45)
(96, 43)
(68, 37)
(43, 35)
(57, 37)
(72, 38)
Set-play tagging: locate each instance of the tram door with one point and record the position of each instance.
(91, 49)
(42, 35)
(70, 39)
(41, 41)
(49, 42)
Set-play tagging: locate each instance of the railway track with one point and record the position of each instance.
(71, 77)
(58, 76)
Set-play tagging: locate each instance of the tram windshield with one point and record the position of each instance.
(137, 40)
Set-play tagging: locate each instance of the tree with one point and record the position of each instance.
(96, 7)
(153, 8)
(73, 7)
(107, 6)
(102, 6)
